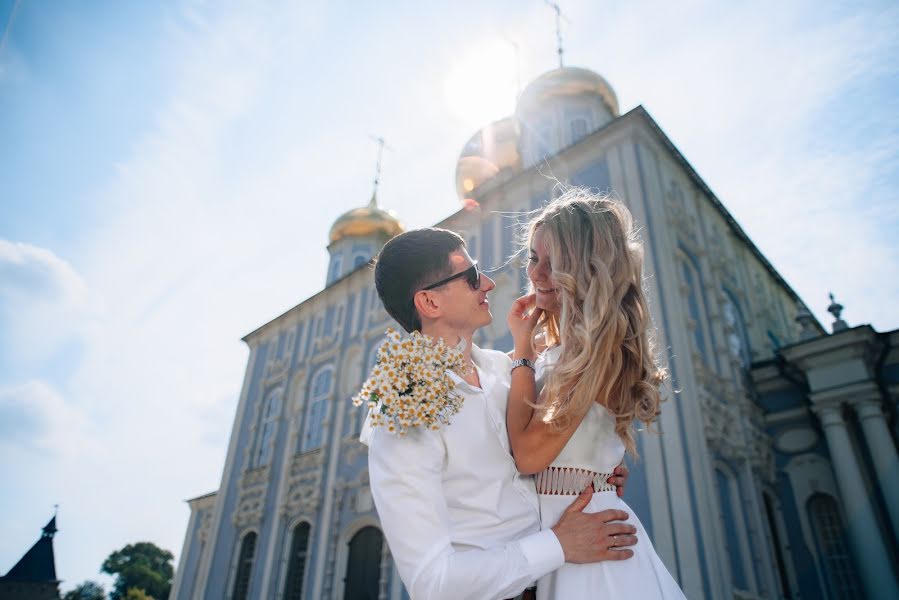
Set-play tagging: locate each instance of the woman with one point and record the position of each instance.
(571, 410)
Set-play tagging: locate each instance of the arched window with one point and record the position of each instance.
(293, 585)
(735, 330)
(578, 129)
(695, 306)
(729, 523)
(315, 411)
(336, 265)
(830, 539)
(271, 410)
(363, 570)
(359, 260)
(244, 567)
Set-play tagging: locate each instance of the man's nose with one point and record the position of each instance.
(487, 284)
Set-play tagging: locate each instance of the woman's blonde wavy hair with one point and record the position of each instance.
(596, 258)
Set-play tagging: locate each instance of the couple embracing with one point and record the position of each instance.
(523, 487)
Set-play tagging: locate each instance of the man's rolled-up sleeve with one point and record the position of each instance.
(406, 484)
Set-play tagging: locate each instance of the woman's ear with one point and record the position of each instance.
(426, 304)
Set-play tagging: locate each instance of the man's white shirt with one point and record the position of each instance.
(461, 522)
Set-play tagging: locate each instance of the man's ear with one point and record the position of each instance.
(427, 305)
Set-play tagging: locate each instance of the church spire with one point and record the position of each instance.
(38, 565)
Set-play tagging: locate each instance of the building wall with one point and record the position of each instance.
(700, 487)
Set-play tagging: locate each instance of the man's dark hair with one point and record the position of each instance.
(409, 262)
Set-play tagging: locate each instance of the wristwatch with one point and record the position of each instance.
(523, 362)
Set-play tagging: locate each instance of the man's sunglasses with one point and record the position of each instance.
(472, 275)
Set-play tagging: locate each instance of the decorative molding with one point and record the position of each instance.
(722, 426)
(205, 525)
(251, 497)
(760, 454)
(275, 370)
(304, 484)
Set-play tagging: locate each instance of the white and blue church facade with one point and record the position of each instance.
(774, 471)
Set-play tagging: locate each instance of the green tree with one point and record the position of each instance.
(144, 566)
(137, 594)
(89, 590)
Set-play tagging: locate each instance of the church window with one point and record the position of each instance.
(833, 549)
(578, 129)
(315, 411)
(728, 512)
(336, 265)
(244, 567)
(288, 342)
(363, 571)
(296, 569)
(271, 410)
(695, 306)
(359, 260)
(542, 140)
(735, 330)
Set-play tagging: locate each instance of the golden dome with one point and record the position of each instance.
(366, 220)
(489, 151)
(567, 81)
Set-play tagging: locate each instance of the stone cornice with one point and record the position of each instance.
(859, 341)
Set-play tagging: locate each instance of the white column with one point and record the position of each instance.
(867, 545)
(883, 453)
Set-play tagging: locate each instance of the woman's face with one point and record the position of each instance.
(539, 271)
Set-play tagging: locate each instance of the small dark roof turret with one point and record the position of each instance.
(38, 564)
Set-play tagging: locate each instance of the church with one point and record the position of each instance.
(774, 473)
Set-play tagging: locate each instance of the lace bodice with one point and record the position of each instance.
(594, 446)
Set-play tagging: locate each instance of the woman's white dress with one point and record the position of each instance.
(596, 447)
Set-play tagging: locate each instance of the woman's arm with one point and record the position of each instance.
(535, 444)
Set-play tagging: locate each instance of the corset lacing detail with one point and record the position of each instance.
(568, 481)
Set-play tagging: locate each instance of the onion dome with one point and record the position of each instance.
(566, 82)
(366, 221)
(489, 151)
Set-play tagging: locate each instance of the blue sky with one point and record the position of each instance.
(169, 172)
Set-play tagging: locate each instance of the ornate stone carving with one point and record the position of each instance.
(760, 453)
(722, 427)
(679, 215)
(276, 370)
(251, 497)
(304, 484)
(205, 525)
(324, 342)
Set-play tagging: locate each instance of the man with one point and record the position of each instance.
(460, 521)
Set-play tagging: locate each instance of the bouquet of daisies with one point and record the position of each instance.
(410, 385)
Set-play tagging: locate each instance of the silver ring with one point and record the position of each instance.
(615, 541)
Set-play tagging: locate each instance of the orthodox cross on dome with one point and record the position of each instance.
(381, 145)
(559, 18)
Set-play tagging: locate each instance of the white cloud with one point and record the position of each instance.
(44, 303)
(31, 273)
(35, 417)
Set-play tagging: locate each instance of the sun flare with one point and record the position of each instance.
(481, 84)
